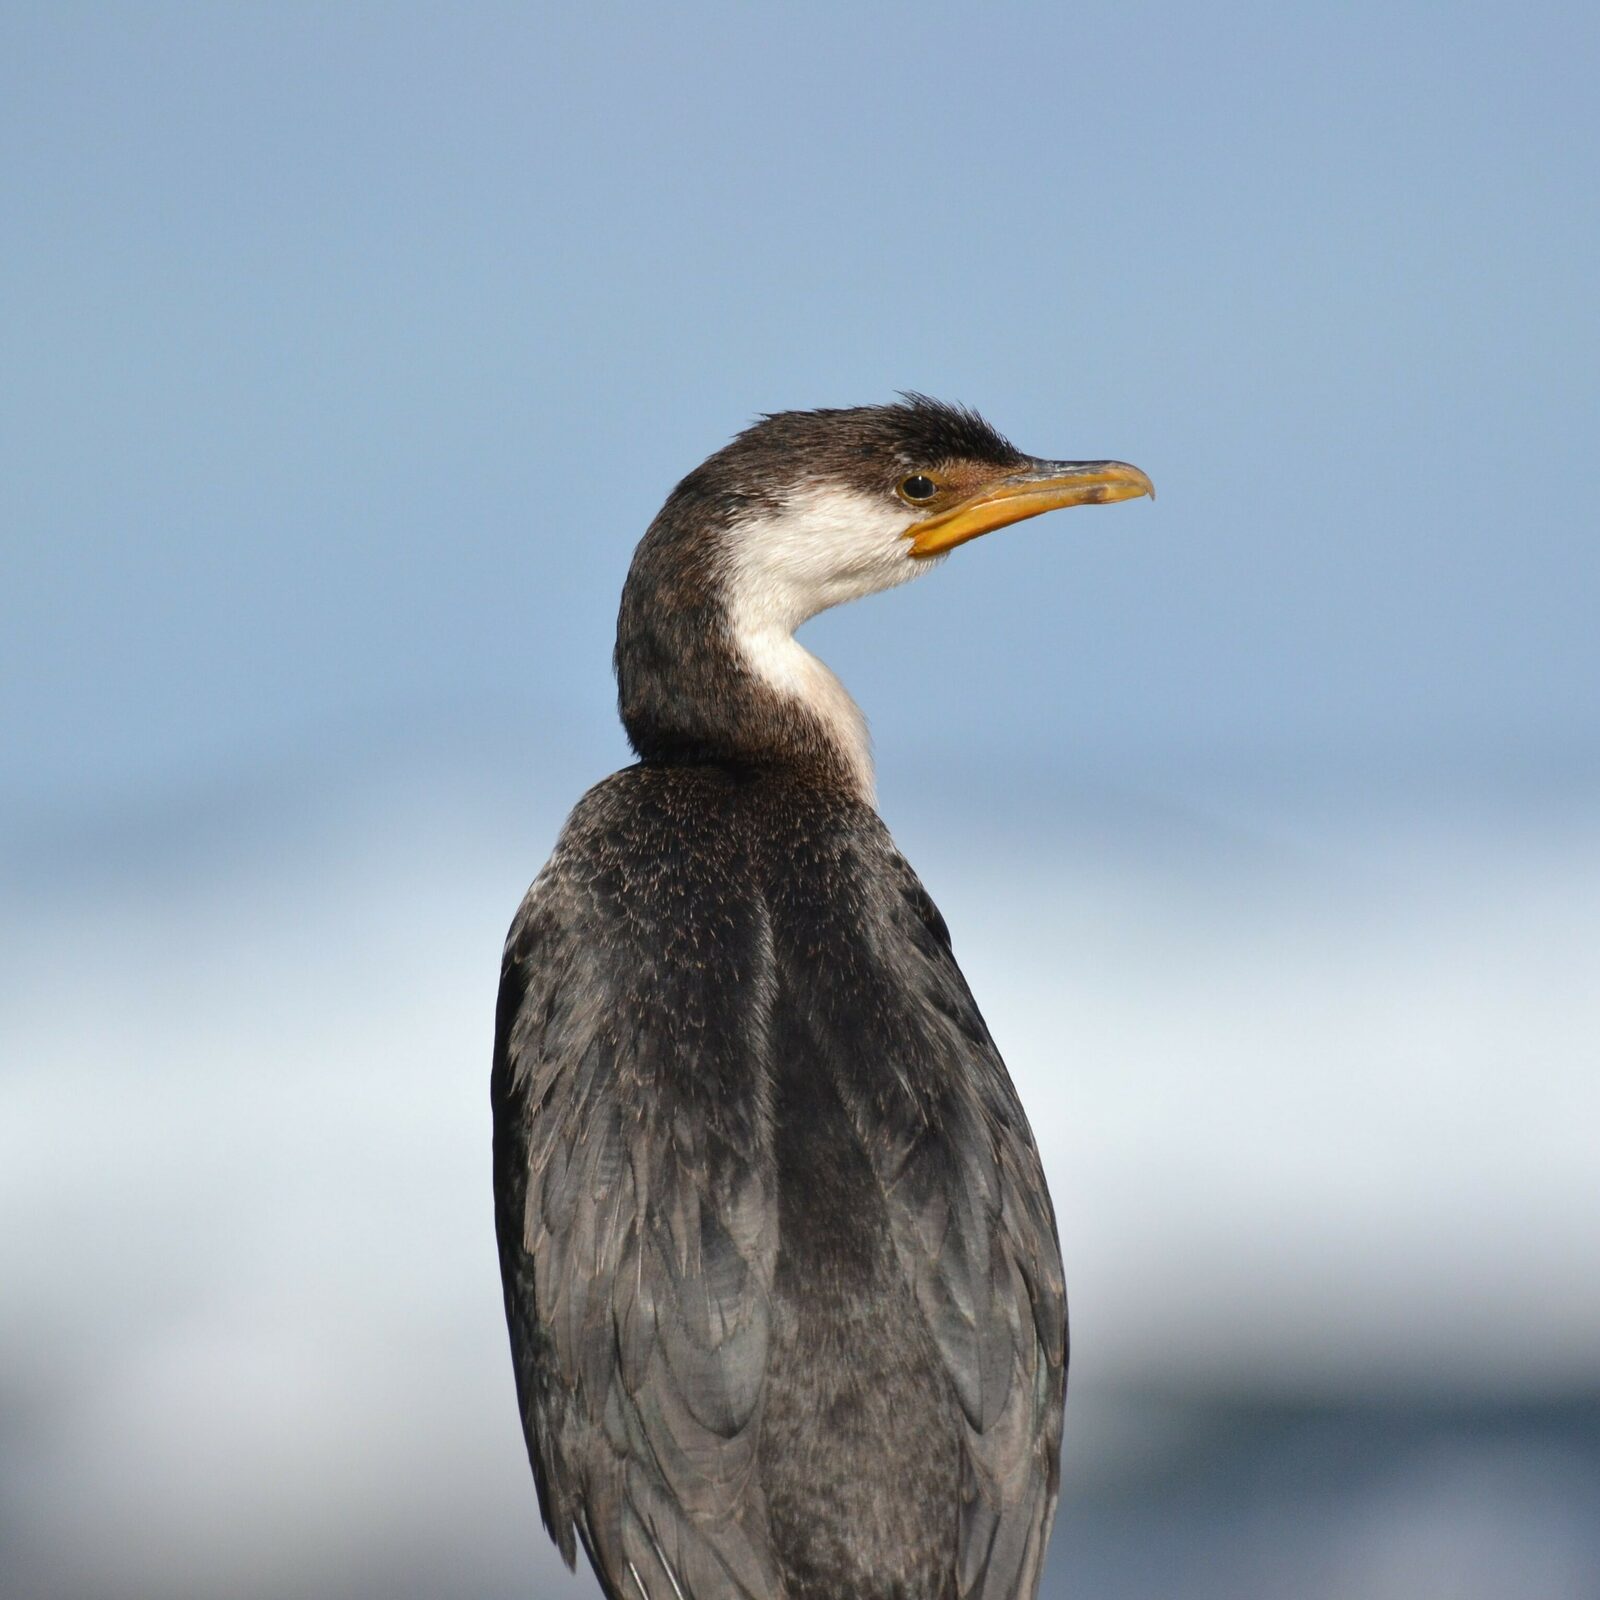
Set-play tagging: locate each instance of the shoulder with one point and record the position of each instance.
(833, 853)
(632, 841)
(649, 910)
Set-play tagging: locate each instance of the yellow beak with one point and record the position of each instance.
(1047, 486)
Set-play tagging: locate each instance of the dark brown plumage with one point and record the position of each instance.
(780, 1267)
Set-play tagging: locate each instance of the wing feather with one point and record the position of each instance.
(973, 1224)
(634, 1210)
(637, 1189)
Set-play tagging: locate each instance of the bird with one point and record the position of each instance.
(780, 1267)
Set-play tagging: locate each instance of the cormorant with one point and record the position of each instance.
(780, 1266)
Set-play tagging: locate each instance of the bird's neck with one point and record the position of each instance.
(704, 678)
(809, 692)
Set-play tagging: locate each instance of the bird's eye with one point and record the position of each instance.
(917, 488)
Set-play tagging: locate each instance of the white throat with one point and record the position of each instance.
(824, 546)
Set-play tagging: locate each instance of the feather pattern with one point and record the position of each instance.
(780, 1268)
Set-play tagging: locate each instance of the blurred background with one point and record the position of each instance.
(347, 351)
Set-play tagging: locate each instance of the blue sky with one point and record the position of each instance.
(350, 348)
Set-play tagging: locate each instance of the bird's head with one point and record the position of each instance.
(803, 511)
(813, 508)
